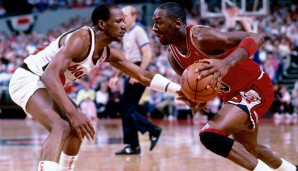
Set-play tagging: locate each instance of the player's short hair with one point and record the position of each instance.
(174, 10)
(102, 12)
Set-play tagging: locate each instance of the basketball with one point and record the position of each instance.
(194, 89)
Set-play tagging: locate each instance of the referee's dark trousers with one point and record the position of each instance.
(132, 120)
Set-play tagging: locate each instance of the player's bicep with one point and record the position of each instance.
(73, 48)
(219, 40)
(59, 64)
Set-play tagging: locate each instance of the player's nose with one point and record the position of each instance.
(154, 28)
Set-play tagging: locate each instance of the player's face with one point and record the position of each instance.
(115, 26)
(163, 27)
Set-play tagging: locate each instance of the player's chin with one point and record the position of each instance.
(118, 39)
(163, 41)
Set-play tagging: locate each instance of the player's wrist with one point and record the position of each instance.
(249, 45)
(71, 112)
(162, 84)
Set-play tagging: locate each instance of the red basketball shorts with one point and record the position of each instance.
(255, 99)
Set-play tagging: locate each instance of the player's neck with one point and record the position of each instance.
(181, 45)
(100, 38)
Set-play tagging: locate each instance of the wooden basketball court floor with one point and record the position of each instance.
(178, 149)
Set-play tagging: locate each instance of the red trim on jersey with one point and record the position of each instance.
(40, 49)
(62, 79)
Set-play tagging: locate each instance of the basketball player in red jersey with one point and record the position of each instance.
(245, 88)
(38, 85)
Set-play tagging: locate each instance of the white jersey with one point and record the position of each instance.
(38, 61)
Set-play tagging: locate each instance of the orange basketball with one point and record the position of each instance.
(194, 89)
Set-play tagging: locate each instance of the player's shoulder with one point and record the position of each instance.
(195, 29)
(203, 31)
(84, 31)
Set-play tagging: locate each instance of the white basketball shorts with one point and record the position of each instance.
(22, 86)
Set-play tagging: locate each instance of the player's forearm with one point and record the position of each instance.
(147, 78)
(118, 73)
(236, 57)
(158, 82)
(246, 48)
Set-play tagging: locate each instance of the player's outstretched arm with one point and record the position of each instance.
(154, 81)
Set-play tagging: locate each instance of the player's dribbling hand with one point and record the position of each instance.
(194, 106)
(216, 67)
(82, 125)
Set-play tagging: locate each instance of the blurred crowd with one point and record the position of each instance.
(17, 7)
(12, 7)
(280, 29)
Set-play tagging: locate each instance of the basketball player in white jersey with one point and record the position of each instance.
(38, 85)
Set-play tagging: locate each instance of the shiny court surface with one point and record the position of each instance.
(178, 149)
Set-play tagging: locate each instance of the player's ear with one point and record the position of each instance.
(178, 23)
(101, 25)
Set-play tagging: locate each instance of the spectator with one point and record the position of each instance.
(85, 92)
(295, 102)
(102, 98)
(286, 106)
(182, 111)
(88, 107)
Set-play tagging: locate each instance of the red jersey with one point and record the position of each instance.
(237, 77)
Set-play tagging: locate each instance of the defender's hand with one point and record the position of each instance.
(82, 125)
(194, 106)
(216, 67)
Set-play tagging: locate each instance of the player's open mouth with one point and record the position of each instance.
(122, 33)
(159, 36)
